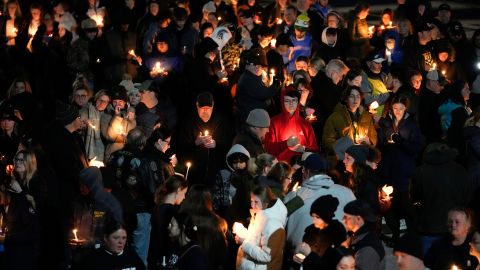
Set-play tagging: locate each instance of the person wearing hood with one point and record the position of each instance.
(316, 183)
(289, 133)
(262, 246)
(399, 139)
(227, 180)
(93, 207)
(203, 139)
(449, 181)
(391, 51)
(329, 48)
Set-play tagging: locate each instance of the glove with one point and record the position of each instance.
(397, 138)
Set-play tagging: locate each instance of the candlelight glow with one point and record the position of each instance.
(272, 72)
(382, 27)
(278, 20)
(240, 230)
(371, 29)
(454, 267)
(311, 117)
(158, 69)
(478, 65)
(300, 256)
(296, 187)
(75, 234)
(219, 18)
(374, 105)
(434, 66)
(444, 72)
(189, 164)
(388, 53)
(98, 19)
(273, 43)
(390, 24)
(132, 53)
(388, 190)
(205, 133)
(95, 163)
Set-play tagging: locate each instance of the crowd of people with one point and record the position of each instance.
(237, 134)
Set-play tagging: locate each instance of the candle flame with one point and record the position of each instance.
(382, 27)
(219, 18)
(454, 267)
(279, 21)
(300, 256)
(374, 105)
(75, 234)
(295, 187)
(206, 133)
(131, 52)
(272, 72)
(444, 72)
(189, 164)
(388, 190)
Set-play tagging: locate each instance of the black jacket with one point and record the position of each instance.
(250, 141)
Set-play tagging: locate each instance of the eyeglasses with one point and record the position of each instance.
(290, 101)
(19, 160)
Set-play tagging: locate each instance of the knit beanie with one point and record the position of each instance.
(325, 207)
(65, 113)
(410, 244)
(341, 145)
(258, 118)
(119, 92)
(359, 152)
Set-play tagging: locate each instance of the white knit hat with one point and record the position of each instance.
(209, 7)
(68, 22)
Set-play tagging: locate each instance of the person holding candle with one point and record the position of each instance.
(203, 139)
(254, 131)
(360, 162)
(168, 197)
(329, 47)
(114, 254)
(358, 31)
(453, 249)
(27, 197)
(263, 246)
(385, 23)
(289, 133)
(91, 115)
(349, 119)
(118, 121)
(399, 139)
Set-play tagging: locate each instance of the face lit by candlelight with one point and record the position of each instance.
(291, 104)
(390, 43)
(81, 97)
(346, 263)
(115, 242)
(318, 221)
(264, 41)
(386, 19)
(205, 112)
(458, 224)
(354, 100)
(208, 32)
(398, 110)
(35, 13)
(180, 195)
(332, 21)
(102, 102)
(466, 92)
(443, 56)
(19, 87)
(255, 203)
(416, 81)
(348, 161)
(134, 98)
(162, 46)
(255, 69)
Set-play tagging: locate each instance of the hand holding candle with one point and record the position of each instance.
(240, 230)
(96, 163)
(387, 190)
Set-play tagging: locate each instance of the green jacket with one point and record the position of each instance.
(339, 124)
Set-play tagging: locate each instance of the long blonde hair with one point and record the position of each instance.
(30, 162)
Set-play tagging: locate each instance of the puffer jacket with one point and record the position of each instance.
(318, 185)
(255, 252)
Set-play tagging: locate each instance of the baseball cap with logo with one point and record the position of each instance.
(302, 22)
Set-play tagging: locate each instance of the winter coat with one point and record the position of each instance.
(94, 146)
(472, 138)
(207, 162)
(369, 251)
(443, 254)
(164, 111)
(157, 166)
(374, 89)
(253, 94)
(282, 127)
(104, 259)
(428, 117)
(160, 244)
(398, 157)
(438, 185)
(223, 190)
(328, 52)
(326, 95)
(340, 124)
(358, 33)
(250, 141)
(115, 129)
(263, 247)
(318, 185)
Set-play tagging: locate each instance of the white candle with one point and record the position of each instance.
(388, 190)
(75, 234)
(240, 230)
(188, 169)
(205, 133)
(95, 163)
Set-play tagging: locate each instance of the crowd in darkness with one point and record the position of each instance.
(237, 134)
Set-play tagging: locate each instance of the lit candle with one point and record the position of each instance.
(278, 21)
(189, 164)
(75, 234)
(454, 267)
(95, 163)
(240, 230)
(388, 190)
(444, 72)
(296, 187)
(434, 66)
(273, 43)
(98, 60)
(374, 105)
(219, 18)
(478, 65)
(388, 53)
(272, 72)
(300, 256)
(390, 24)
(311, 117)
(382, 27)
(132, 53)
(205, 133)
(371, 29)
(14, 30)
(158, 69)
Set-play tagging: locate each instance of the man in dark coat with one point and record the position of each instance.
(66, 153)
(438, 185)
(204, 140)
(253, 133)
(255, 87)
(431, 97)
